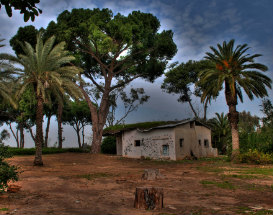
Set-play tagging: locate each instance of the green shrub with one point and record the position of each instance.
(31, 151)
(255, 157)
(7, 172)
(262, 141)
(108, 145)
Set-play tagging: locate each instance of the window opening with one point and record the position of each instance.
(165, 150)
(137, 142)
(181, 142)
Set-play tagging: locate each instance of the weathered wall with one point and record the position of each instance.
(119, 144)
(191, 144)
(204, 133)
(151, 143)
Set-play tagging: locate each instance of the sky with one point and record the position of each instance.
(197, 25)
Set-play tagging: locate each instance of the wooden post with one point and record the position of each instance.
(149, 198)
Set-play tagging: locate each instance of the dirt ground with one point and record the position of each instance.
(72, 183)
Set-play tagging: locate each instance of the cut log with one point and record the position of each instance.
(152, 174)
(149, 198)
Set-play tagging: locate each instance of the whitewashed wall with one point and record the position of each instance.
(151, 143)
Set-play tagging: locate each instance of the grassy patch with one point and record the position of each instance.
(220, 184)
(257, 187)
(214, 169)
(242, 176)
(257, 170)
(141, 125)
(251, 211)
(4, 209)
(92, 176)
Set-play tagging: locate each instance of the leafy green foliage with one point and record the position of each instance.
(47, 71)
(7, 172)
(26, 7)
(6, 81)
(267, 109)
(103, 37)
(235, 69)
(260, 141)
(24, 34)
(247, 122)
(179, 80)
(108, 145)
(4, 135)
(255, 157)
(115, 49)
(77, 114)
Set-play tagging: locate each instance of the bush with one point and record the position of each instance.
(262, 141)
(7, 172)
(108, 145)
(31, 151)
(255, 157)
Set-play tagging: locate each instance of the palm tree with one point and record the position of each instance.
(46, 69)
(235, 70)
(6, 79)
(220, 131)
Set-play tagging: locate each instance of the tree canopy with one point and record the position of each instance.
(113, 50)
(180, 79)
(24, 34)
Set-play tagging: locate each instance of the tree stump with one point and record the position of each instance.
(151, 174)
(149, 198)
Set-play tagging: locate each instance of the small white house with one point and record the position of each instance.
(171, 141)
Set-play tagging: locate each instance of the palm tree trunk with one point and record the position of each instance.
(39, 132)
(205, 110)
(60, 129)
(233, 117)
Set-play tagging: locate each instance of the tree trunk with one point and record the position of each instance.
(233, 117)
(39, 132)
(31, 134)
(14, 135)
(47, 131)
(83, 135)
(98, 117)
(194, 112)
(60, 129)
(22, 136)
(149, 198)
(78, 135)
(97, 137)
